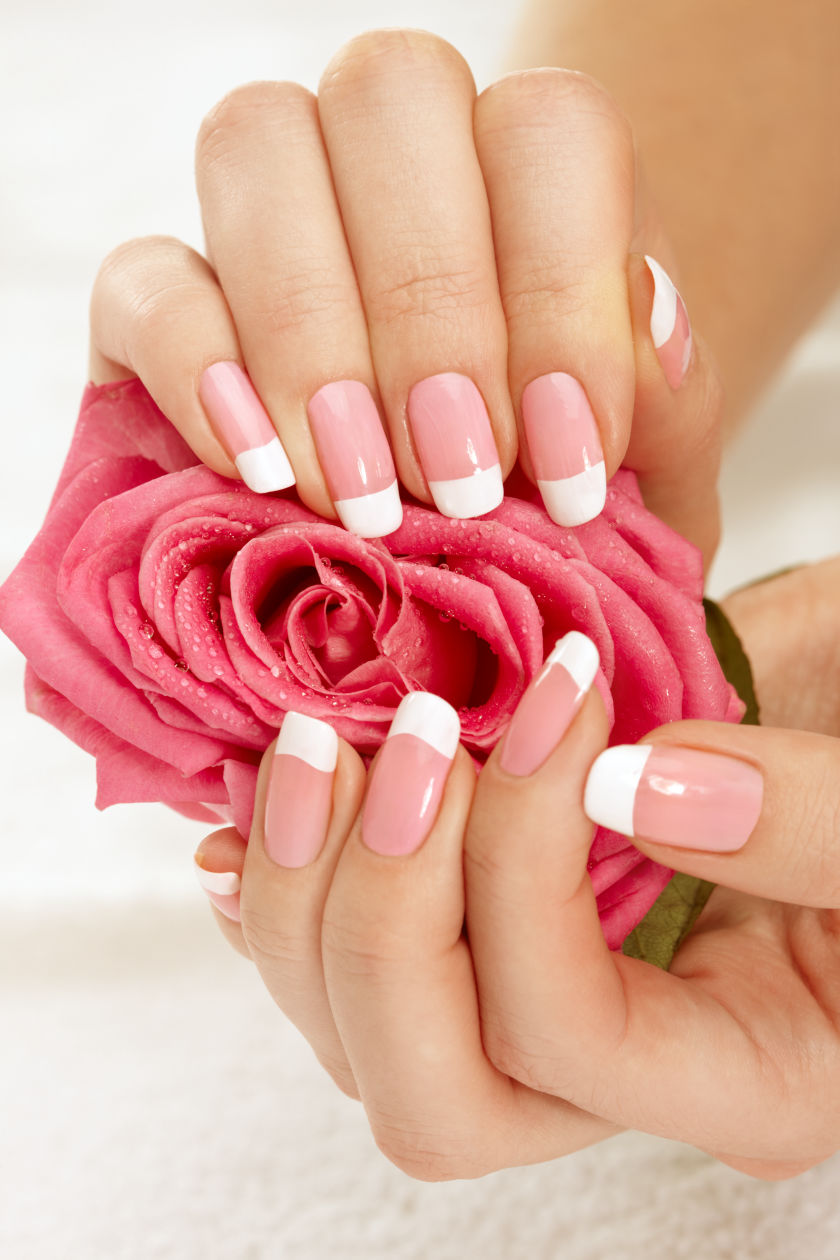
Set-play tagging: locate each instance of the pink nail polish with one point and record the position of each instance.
(222, 888)
(455, 444)
(669, 325)
(299, 800)
(545, 712)
(678, 796)
(244, 427)
(356, 458)
(408, 780)
(565, 448)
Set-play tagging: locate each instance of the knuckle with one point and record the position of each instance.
(547, 96)
(383, 54)
(135, 255)
(268, 939)
(428, 1155)
(247, 110)
(363, 951)
(303, 298)
(424, 288)
(553, 286)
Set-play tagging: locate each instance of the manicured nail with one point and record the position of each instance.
(299, 801)
(678, 796)
(243, 426)
(565, 448)
(222, 887)
(545, 712)
(669, 326)
(356, 458)
(454, 440)
(410, 775)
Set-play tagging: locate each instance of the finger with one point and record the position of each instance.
(157, 312)
(275, 238)
(396, 110)
(308, 792)
(753, 808)
(675, 440)
(400, 977)
(602, 372)
(218, 863)
(557, 158)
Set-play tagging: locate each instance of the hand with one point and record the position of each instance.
(365, 954)
(397, 247)
(737, 1048)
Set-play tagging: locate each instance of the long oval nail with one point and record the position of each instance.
(680, 796)
(299, 799)
(565, 448)
(356, 458)
(669, 325)
(547, 709)
(409, 777)
(455, 444)
(244, 428)
(222, 887)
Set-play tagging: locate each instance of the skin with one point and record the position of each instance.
(527, 1038)
(531, 263)
(314, 280)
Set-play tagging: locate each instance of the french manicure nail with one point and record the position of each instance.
(565, 448)
(356, 458)
(545, 712)
(222, 887)
(455, 444)
(244, 428)
(669, 325)
(678, 796)
(409, 777)
(299, 799)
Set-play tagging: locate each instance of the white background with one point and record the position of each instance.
(152, 1101)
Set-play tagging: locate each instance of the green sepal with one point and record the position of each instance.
(661, 932)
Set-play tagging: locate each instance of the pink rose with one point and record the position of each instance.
(171, 617)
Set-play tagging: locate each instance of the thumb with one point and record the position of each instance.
(753, 808)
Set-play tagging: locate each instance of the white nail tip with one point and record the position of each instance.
(266, 468)
(372, 515)
(465, 497)
(222, 883)
(579, 657)
(575, 500)
(663, 315)
(310, 740)
(610, 792)
(430, 718)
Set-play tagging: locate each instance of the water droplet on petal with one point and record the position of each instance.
(147, 630)
(275, 671)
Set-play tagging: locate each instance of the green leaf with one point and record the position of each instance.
(671, 917)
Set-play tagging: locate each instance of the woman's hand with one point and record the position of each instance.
(469, 270)
(364, 951)
(526, 1038)
(737, 1048)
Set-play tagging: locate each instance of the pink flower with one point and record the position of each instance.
(171, 617)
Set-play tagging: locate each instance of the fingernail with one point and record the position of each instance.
(244, 428)
(408, 780)
(356, 458)
(222, 887)
(455, 444)
(678, 796)
(299, 800)
(565, 448)
(545, 712)
(669, 326)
